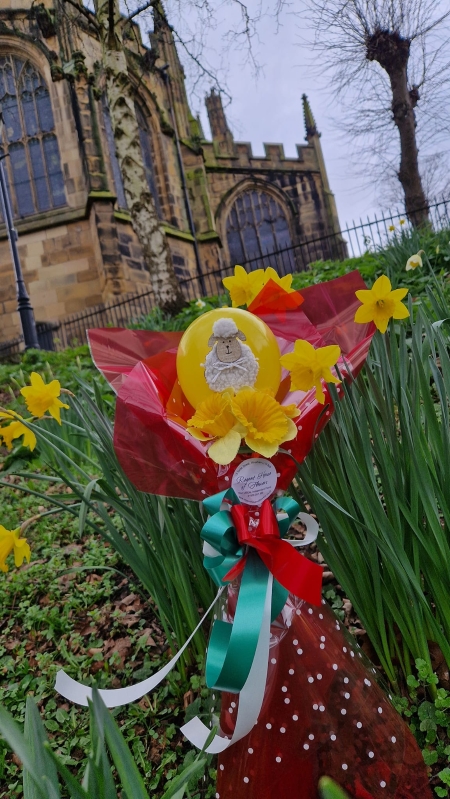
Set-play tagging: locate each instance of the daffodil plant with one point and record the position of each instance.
(12, 543)
(381, 303)
(40, 398)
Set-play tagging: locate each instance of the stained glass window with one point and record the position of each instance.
(33, 168)
(256, 226)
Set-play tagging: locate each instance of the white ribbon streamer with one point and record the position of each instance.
(79, 693)
(312, 530)
(250, 698)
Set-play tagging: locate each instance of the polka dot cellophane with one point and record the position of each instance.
(338, 722)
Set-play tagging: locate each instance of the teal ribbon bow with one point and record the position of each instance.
(232, 646)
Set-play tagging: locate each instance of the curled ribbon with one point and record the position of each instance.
(238, 654)
(241, 541)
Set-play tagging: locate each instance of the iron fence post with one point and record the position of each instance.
(23, 301)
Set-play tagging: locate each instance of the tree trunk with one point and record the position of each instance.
(144, 218)
(392, 53)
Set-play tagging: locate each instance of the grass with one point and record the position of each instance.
(77, 606)
(377, 479)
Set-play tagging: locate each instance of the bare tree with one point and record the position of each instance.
(396, 53)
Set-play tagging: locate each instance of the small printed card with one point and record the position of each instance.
(254, 481)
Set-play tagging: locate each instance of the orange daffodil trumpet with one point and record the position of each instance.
(414, 261)
(10, 542)
(309, 366)
(380, 303)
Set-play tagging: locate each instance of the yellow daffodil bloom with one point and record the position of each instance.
(285, 282)
(414, 261)
(15, 429)
(380, 303)
(10, 542)
(42, 397)
(309, 366)
(266, 423)
(243, 286)
(214, 421)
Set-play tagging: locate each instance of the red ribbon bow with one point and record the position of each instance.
(297, 574)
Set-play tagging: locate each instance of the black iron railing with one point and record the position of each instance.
(349, 242)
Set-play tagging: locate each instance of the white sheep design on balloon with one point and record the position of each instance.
(230, 364)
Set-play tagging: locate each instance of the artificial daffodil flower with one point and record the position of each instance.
(414, 261)
(380, 303)
(214, 421)
(243, 286)
(266, 423)
(285, 282)
(42, 397)
(309, 366)
(11, 542)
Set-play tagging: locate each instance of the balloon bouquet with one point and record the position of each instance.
(223, 414)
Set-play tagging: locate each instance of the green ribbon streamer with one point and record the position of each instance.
(232, 646)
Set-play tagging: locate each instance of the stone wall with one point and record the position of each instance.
(86, 253)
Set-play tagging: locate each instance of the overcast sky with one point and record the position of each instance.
(269, 108)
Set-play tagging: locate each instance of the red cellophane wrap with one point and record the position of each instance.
(323, 711)
(150, 436)
(323, 714)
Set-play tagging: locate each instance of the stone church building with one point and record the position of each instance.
(218, 203)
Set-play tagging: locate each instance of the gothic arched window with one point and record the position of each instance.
(33, 167)
(148, 155)
(256, 226)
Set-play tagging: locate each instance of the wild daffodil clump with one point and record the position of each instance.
(40, 398)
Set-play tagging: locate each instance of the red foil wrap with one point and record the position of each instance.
(323, 714)
(150, 436)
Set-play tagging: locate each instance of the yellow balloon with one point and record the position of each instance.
(198, 341)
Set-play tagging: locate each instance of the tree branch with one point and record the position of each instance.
(85, 12)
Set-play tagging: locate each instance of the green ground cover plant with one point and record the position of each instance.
(44, 769)
(77, 606)
(156, 537)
